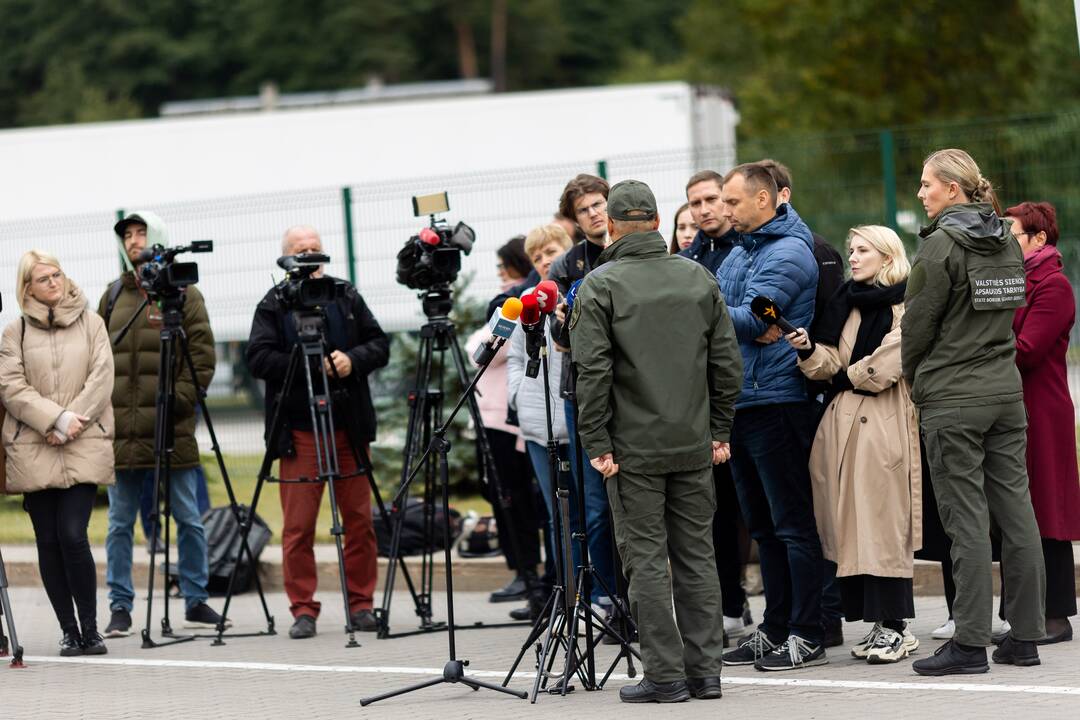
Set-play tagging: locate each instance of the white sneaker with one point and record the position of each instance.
(911, 643)
(888, 647)
(1003, 628)
(860, 649)
(946, 631)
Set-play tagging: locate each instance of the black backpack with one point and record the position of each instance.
(224, 547)
(412, 529)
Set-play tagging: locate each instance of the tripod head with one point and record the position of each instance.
(437, 302)
(310, 325)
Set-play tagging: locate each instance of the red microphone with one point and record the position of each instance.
(547, 296)
(530, 311)
(429, 237)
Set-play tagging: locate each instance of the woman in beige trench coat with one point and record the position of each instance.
(865, 459)
(56, 381)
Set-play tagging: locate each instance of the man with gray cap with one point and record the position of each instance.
(659, 371)
(134, 404)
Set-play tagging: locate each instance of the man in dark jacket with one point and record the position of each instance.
(136, 360)
(715, 236)
(584, 199)
(830, 277)
(357, 346)
(773, 427)
(659, 371)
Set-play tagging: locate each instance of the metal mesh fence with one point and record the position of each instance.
(840, 180)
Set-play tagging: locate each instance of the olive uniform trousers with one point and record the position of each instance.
(978, 470)
(662, 517)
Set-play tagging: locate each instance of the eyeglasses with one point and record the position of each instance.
(597, 207)
(500, 266)
(45, 280)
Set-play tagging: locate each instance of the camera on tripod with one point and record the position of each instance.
(161, 276)
(432, 257)
(299, 290)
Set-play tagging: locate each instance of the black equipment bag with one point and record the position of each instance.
(224, 548)
(412, 529)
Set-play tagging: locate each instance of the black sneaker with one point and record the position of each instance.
(952, 658)
(706, 688)
(70, 644)
(513, 591)
(203, 616)
(750, 650)
(302, 628)
(1024, 653)
(93, 643)
(793, 654)
(834, 633)
(648, 691)
(364, 621)
(119, 624)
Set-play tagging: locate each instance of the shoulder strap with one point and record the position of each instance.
(22, 332)
(114, 292)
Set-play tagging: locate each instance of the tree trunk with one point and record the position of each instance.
(466, 46)
(498, 45)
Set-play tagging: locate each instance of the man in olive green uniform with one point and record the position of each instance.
(659, 371)
(959, 356)
(134, 403)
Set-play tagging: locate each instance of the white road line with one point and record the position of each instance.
(925, 686)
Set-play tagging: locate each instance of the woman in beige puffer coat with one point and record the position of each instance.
(56, 378)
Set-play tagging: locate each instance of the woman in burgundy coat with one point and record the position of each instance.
(1042, 338)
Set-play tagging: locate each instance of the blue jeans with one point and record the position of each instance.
(597, 513)
(770, 448)
(124, 503)
(146, 507)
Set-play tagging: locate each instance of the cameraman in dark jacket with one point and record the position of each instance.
(356, 347)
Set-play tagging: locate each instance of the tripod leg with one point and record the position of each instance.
(233, 505)
(535, 632)
(401, 691)
(5, 610)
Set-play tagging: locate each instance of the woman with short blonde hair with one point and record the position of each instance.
(864, 464)
(56, 381)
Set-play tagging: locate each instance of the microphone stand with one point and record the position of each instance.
(5, 610)
(454, 670)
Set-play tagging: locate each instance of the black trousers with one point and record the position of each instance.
(727, 524)
(60, 518)
(1060, 580)
(876, 599)
(521, 517)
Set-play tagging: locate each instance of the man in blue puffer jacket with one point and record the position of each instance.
(773, 429)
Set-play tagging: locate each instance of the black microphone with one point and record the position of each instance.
(769, 313)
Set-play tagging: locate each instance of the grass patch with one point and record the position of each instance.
(243, 471)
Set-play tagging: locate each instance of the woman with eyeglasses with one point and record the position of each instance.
(1042, 330)
(56, 381)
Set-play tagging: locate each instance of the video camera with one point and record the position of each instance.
(432, 257)
(300, 291)
(161, 276)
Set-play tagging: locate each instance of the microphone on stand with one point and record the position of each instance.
(532, 323)
(502, 326)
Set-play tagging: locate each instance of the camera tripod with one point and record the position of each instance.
(454, 670)
(425, 412)
(570, 601)
(310, 349)
(13, 645)
(174, 350)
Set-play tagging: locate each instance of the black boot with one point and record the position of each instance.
(513, 590)
(71, 644)
(1017, 652)
(648, 691)
(952, 658)
(93, 643)
(537, 604)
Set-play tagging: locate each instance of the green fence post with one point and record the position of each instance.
(601, 168)
(120, 250)
(350, 250)
(888, 176)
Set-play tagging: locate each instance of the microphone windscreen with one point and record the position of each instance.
(429, 237)
(511, 308)
(530, 310)
(765, 309)
(547, 296)
(146, 255)
(571, 294)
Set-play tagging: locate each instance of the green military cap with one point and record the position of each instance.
(631, 200)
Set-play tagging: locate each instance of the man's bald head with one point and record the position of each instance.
(300, 239)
